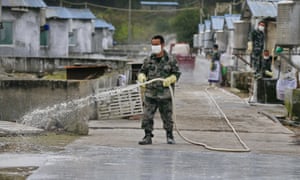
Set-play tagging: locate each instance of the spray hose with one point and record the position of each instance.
(246, 148)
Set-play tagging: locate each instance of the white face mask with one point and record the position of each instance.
(266, 57)
(156, 49)
(261, 28)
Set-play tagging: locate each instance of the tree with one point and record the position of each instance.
(185, 25)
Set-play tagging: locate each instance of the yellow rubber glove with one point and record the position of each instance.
(141, 78)
(269, 73)
(250, 47)
(169, 80)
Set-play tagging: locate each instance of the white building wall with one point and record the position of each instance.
(26, 33)
(58, 40)
(83, 30)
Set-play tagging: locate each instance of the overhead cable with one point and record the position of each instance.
(132, 10)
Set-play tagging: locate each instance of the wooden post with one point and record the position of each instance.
(297, 78)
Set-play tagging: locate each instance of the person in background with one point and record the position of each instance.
(266, 64)
(121, 80)
(215, 66)
(256, 47)
(157, 94)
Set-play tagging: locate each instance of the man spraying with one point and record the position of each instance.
(157, 94)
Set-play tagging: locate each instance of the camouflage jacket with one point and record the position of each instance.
(163, 67)
(258, 39)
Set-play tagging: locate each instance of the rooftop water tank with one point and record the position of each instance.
(208, 40)
(241, 31)
(288, 23)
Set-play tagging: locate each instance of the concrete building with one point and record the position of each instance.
(69, 33)
(266, 10)
(103, 36)
(208, 36)
(229, 29)
(219, 33)
(21, 21)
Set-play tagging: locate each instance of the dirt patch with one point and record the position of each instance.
(16, 173)
(50, 142)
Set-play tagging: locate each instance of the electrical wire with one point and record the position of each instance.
(246, 148)
(124, 9)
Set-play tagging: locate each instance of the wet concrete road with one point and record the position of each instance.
(98, 162)
(111, 150)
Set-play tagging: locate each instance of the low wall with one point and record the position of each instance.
(54, 104)
(240, 80)
(292, 103)
(49, 65)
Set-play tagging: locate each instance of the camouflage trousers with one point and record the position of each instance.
(256, 59)
(165, 109)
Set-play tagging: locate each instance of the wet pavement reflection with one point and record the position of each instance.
(96, 162)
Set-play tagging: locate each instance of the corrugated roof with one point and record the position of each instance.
(24, 3)
(99, 23)
(207, 24)
(69, 13)
(201, 27)
(230, 18)
(217, 22)
(151, 3)
(263, 8)
(111, 27)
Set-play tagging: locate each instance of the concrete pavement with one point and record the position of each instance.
(111, 149)
(12, 128)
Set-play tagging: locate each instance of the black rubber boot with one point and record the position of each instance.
(147, 138)
(170, 137)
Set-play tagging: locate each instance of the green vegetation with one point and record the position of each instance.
(59, 75)
(185, 25)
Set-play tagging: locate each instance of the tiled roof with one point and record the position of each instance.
(230, 19)
(263, 8)
(217, 22)
(69, 13)
(24, 3)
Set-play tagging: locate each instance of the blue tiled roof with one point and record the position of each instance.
(69, 13)
(111, 27)
(99, 23)
(151, 3)
(217, 22)
(230, 18)
(263, 8)
(24, 3)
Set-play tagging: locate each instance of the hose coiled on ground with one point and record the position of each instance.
(246, 148)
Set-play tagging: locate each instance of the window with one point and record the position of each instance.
(6, 33)
(44, 38)
(72, 38)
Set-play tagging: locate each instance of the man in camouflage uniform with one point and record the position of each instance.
(256, 47)
(157, 94)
